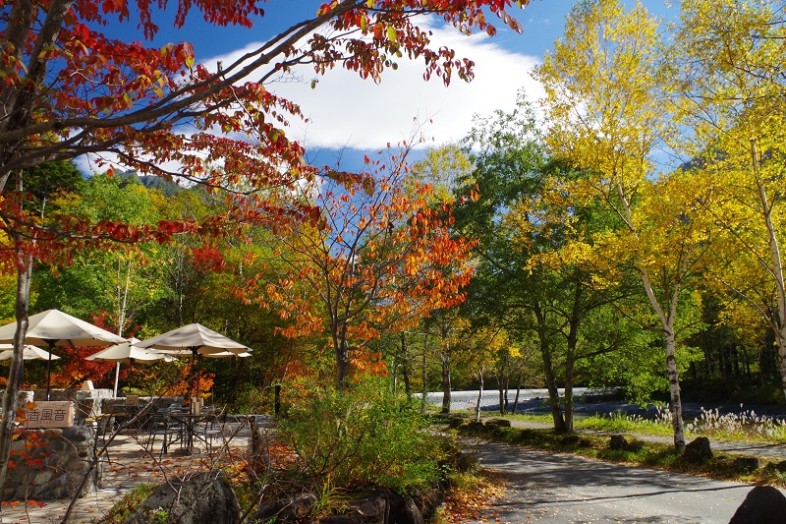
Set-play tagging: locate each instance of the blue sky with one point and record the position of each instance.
(349, 116)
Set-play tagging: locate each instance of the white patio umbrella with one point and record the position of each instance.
(127, 352)
(225, 354)
(196, 340)
(28, 353)
(55, 328)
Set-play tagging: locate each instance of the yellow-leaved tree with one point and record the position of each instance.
(605, 92)
(729, 59)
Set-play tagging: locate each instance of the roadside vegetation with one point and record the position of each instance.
(746, 426)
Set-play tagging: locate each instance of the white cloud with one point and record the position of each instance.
(345, 111)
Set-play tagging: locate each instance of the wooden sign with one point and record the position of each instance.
(50, 414)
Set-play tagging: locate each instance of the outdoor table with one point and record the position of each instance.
(188, 423)
(121, 413)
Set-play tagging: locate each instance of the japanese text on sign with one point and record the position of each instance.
(50, 414)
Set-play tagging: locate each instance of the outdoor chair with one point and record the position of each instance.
(213, 427)
(163, 424)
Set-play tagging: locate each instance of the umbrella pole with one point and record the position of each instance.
(194, 377)
(117, 377)
(49, 370)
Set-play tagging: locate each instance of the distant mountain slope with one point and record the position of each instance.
(151, 182)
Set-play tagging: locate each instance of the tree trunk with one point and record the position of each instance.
(778, 322)
(518, 392)
(548, 371)
(675, 404)
(569, 368)
(405, 367)
(10, 400)
(551, 385)
(342, 365)
(480, 395)
(121, 316)
(445, 385)
(576, 315)
(424, 375)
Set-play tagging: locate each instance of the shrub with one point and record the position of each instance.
(125, 506)
(252, 399)
(362, 436)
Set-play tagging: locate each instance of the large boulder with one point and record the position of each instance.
(375, 506)
(777, 466)
(378, 506)
(497, 423)
(428, 500)
(698, 450)
(474, 427)
(203, 498)
(762, 505)
(745, 465)
(618, 443)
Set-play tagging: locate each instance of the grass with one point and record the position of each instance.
(126, 506)
(746, 426)
(617, 423)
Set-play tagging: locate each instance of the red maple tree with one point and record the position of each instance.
(376, 256)
(70, 88)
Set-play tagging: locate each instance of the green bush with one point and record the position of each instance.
(252, 399)
(360, 437)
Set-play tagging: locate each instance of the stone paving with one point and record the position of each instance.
(128, 463)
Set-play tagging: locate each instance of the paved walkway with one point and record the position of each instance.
(129, 463)
(559, 488)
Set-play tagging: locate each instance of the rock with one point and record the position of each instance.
(287, 509)
(762, 505)
(570, 439)
(337, 519)
(203, 498)
(78, 433)
(745, 464)
(428, 500)
(618, 443)
(371, 507)
(406, 512)
(378, 506)
(778, 466)
(498, 423)
(473, 427)
(455, 423)
(698, 450)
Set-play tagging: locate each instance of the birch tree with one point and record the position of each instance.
(605, 89)
(729, 59)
